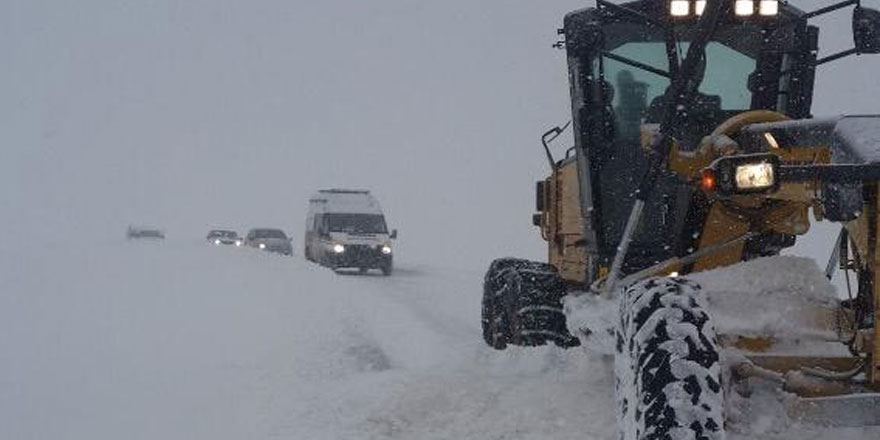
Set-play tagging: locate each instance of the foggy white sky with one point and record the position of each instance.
(204, 113)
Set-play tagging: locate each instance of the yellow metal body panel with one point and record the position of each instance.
(721, 226)
(873, 222)
(866, 247)
(875, 355)
(563, 225)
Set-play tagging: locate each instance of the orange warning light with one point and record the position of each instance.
(707, 180)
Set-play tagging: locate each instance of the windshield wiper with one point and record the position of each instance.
(636, 64)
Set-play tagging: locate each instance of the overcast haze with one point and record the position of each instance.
(188, 115)
(231, 113)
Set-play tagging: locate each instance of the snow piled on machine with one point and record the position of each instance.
(778, 297)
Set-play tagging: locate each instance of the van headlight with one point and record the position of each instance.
(386, 249)
(338, 248)
(262, 245)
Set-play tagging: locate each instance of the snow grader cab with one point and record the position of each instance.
(695, 149)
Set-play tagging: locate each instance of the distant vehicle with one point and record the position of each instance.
(224, 237)
(272, 240)
(346, 229)
(140, 232)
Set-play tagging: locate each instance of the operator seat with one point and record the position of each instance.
(704, 113)
(632, 104)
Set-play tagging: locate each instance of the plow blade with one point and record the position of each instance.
(841, 411)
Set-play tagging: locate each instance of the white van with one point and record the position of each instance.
(346, 229)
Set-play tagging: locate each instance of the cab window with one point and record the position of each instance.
(635, 92)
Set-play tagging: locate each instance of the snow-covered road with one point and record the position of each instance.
(181, 340)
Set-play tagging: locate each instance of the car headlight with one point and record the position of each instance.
(216, 241)
(238, 242)
(386, 249)
(338, 248)
(262, 245)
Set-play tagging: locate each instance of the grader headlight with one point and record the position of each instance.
(765, 8)
(769, 7)
(755, 176)
(744, 8)
(741, 8)
(742, 174)
(680, 8)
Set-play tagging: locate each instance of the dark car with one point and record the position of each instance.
(224, 237)
(268, 239)
(140, 232)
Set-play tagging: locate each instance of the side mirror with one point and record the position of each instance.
(536, 219)
(866, 30)
(393, 234)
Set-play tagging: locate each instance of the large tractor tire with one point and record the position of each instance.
(667, 365)
(522, 305)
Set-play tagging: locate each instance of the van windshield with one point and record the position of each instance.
(269, 233)
(356, 223)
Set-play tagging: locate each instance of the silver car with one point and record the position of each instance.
(224, 237)
(267, 239)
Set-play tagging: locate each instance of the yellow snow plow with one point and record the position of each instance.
(695, 149)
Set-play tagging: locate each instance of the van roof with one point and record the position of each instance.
(343, 191)
(351, 201)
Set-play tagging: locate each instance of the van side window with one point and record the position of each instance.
(319, 224)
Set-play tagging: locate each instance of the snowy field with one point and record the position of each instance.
(182, 340)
